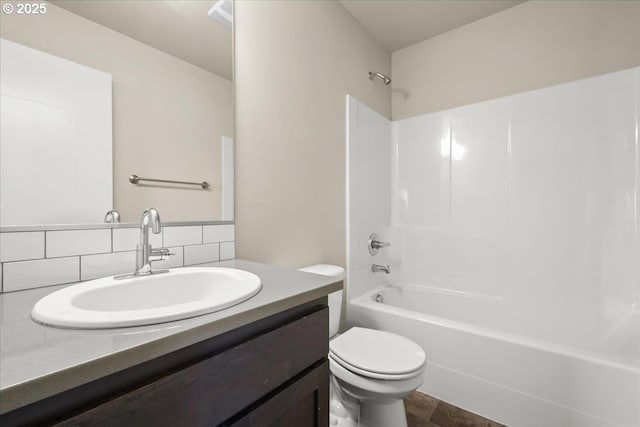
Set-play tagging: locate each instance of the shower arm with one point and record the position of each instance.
(385, 79)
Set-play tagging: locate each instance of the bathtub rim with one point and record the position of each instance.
(367, 300)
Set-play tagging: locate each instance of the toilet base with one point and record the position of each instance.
(374, 413)
(343, 410)
(381, 402)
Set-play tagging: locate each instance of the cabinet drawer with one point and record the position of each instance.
(303, 403)
(216, 388)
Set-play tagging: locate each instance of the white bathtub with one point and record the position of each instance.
(516, 379)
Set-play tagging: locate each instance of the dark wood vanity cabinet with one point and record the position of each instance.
(273, 372)
(302, 403)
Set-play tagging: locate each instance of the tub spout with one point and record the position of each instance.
(376, 268)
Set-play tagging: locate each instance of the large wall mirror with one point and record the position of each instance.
(151, 79)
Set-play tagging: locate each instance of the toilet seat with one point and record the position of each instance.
(373, 375)
(377, 354)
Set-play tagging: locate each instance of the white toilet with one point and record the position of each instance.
(376, 368)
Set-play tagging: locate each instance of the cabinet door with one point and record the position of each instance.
(212, 390)
(304, 403)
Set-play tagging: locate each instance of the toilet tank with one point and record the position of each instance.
(335, 298)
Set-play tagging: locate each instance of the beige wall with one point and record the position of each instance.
(168, 115)
(294, 64)
(530, 46)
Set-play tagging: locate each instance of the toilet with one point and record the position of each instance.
(375, 368)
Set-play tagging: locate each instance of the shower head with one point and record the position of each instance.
(385, 79)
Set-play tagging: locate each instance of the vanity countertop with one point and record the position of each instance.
(38, 361)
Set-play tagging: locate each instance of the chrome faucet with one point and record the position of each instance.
(112, 217)
(145, 254)
(375, 243)
(376, 268)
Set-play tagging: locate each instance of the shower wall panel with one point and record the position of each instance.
(529, 203)
(368, 192)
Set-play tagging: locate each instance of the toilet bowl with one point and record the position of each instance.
(375, 368)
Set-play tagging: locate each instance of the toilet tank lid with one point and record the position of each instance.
(334, 271)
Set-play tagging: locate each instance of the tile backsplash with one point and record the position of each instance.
(32, 259)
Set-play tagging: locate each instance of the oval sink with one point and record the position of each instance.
(146, 300)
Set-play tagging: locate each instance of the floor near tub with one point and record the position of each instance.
(426, 411)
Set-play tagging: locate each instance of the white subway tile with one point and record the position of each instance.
(218, 233)
(77, 242)
(103, 265)
(200, 254)
(126, 239)
(182, 236)
(176, 260)
(227, 250)
(43, 272)
(21, 246)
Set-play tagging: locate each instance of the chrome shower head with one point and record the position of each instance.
(385, 79)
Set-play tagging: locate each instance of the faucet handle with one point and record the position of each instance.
(160, 254)
(375, 244)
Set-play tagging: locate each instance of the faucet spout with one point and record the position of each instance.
(150, 219)
(145, 254)
(376, 268)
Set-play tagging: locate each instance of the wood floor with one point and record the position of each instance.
(426, 411)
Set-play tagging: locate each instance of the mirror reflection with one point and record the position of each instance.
(96, 91)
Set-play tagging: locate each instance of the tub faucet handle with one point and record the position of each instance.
(375, 243)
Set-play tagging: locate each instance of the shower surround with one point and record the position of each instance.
(514, 220)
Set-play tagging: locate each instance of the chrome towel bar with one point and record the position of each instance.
(135, 179)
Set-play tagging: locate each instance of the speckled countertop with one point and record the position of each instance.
(38, 361)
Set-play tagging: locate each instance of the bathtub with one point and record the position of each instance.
(516, 379)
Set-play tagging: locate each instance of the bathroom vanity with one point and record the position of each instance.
(262, 362)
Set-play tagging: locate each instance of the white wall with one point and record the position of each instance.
(533, 45)
(294, 63)
(228, 179)
(530, 200)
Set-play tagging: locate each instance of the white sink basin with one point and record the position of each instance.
(146, 300)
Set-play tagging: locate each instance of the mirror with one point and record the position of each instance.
(171, 108)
